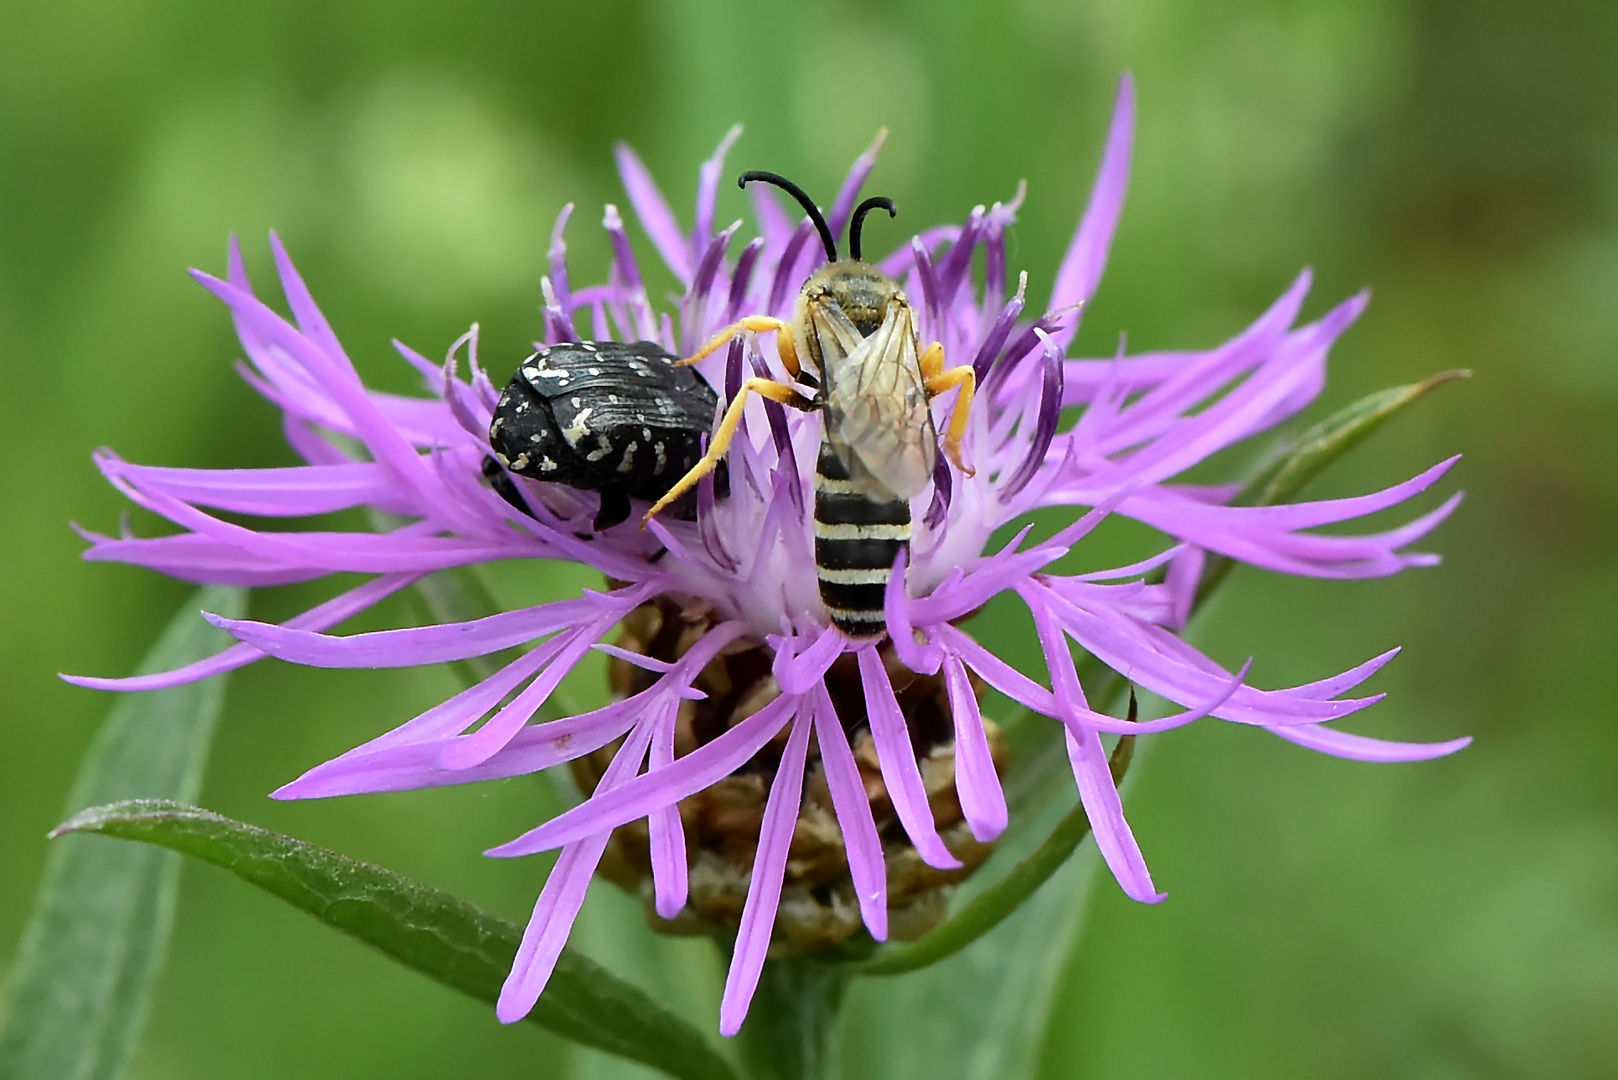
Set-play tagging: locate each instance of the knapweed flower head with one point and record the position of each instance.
(727, 665)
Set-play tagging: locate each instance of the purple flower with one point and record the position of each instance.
(748, 559)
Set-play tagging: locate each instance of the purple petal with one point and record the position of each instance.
(474, 749)
(1086, 256)
(929, 284)
(1106, 813)
(860, 839)
(332, 612)
(897, 760)
(559, 903)
(653, 211)
(408, 766)
(849, 193)
(1050, 411)
(787, 277)
(1337, 684)
(1183, 579)
(310, 554)
(983, 802)
(429, 645)
(198, 558)
(764, 890)
(996, 672)
(543, 939)
(408, 757)
(236, 271)
(1089, 762)
(922, 659)
(697, 301)
(800, 673)
(1364, 748)
(670, 878)
(345, 391)
(412, 647)
(1165, 665)
(953, 269)
(995, 340)
(298, 491)
(708, 188)
(774, 226)
(560, 282)
(702, 768)
(741, 278)
(310, 321)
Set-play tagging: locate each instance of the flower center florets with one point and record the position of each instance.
(818, 906)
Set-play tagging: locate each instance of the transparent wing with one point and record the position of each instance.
(877, 403)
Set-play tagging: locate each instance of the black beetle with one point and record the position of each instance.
(617, 418)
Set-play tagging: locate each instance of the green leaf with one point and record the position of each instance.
(95, 942)
(991, 907)
(433, 932)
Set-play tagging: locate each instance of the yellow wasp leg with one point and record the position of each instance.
(757, 324)
(932, 360)
(725, 432)
(937, 383)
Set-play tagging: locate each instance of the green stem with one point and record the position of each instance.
(791, 1028)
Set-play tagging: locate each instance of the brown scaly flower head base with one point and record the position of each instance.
(818, 907)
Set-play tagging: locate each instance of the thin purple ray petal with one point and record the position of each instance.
(764, 890)
(701, 768)
(412, 647)
(983, 801)
(848, 798)
(897, 760)
(653, 211)
(474, 749)
(849, 193)
(320, 617)
(1106, 813)
(559, 903)
(1086, 257)
(1364, 748)
(670, 879)
(708, 178)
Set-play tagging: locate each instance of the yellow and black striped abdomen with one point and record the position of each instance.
(857, 538)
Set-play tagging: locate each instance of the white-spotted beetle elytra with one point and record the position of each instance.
(616, 418)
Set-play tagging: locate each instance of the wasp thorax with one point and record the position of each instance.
(862, 292)
(818, 908)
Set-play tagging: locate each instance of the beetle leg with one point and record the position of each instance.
(614, 508)
(756, 324)
(725, 432)
(937, 383)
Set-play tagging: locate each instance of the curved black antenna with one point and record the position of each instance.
(804, 201)
(875, 202)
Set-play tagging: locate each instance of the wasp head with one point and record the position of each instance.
(860, 290)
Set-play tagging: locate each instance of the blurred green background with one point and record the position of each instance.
(1450, 919)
